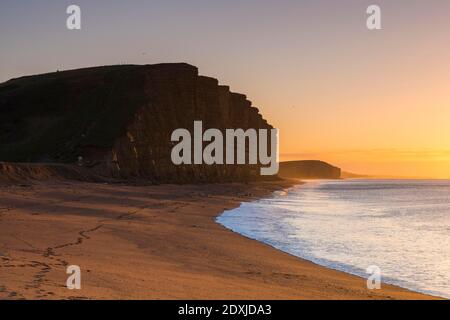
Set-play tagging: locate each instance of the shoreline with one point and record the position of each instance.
(351, 270)
(153, 242)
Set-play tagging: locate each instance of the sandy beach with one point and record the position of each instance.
(152, 242)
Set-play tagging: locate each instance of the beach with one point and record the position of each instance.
(152, 242)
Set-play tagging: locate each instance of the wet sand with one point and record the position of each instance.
(152, 242)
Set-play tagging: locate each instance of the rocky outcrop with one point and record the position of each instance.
(309, 169)
(118, 120)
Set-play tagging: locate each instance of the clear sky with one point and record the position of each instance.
(374, 102)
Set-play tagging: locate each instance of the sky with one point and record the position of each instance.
(372, 102)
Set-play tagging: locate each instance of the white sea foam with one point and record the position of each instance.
(401, 226)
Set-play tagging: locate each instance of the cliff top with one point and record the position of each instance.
(48, 117)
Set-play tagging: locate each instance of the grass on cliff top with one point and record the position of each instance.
(49, 117)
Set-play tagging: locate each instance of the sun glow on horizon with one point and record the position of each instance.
(371, 102)
(426, 164)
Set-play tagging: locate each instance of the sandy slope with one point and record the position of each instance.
(158, 242)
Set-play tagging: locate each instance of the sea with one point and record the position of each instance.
(400, 226)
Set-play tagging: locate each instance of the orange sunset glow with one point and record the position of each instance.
(371, 102)
(225, 159)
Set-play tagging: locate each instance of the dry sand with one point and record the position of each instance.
(157, 242)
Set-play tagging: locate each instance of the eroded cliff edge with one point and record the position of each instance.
(119, 120)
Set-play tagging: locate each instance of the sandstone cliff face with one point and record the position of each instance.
(120, 119)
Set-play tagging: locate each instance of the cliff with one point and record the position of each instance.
(309, 169)
(351, 175)
(119, 120)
